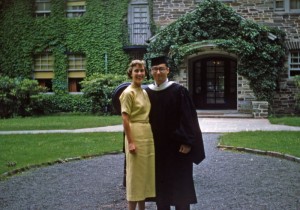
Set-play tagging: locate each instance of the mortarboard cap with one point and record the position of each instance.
(159, 60)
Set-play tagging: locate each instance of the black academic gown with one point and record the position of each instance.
(174, 121)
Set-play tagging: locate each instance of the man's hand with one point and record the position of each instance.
(185, 149)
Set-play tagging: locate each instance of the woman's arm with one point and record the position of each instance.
(131, 145)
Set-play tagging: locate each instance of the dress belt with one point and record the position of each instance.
(140, 121)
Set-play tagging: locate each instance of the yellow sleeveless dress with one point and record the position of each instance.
(140, 168)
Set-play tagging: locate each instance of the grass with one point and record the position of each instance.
(35, 149)
(287, 142)
(32, 149)
(53, 122)
(291, 121)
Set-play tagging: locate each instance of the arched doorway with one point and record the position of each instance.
(214, 82)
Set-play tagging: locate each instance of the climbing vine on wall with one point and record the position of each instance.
(260, 58)
(96, 34)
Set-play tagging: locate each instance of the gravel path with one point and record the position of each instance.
(225, 180)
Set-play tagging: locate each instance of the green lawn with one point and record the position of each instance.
(64, 121)
(287, 142)
(291, 121)
(32, 149)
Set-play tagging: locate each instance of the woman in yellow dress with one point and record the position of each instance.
(139, 145)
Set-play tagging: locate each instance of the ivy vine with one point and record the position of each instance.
(260, 59)
(96, 34)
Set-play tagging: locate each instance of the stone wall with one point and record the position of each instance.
(167, 11)
(260, 109)
(245, 95)
(284, 101)
(261, 11)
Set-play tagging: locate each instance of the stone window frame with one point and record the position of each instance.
(294, 63)
(284, 6)
(42, 8)
(75, 8)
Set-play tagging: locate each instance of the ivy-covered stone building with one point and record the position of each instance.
(213, 74)
(231, 54)
(60, 42)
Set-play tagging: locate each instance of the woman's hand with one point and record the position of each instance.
(131, 148)
(131, 145)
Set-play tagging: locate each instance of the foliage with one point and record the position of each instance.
(96, 33)
(99, 89)
(19, 96)
(27, 96)
(6, 98)
(55, 103)
(260, 59)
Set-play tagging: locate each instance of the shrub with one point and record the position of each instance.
(19, 96)
(27, 94)
(6, 98)
(54, 103)
(23, 97)
(99, 89)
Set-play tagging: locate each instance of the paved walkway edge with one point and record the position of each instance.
(261, 152)
(49, 163)
(224, 147)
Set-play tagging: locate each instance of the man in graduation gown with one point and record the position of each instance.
(177, 138)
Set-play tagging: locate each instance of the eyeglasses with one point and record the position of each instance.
(156, 69)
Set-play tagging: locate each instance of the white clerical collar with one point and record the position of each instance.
(162, 86)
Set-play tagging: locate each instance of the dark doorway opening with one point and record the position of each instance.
(214, 83)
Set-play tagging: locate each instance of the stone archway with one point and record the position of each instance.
(211, 75)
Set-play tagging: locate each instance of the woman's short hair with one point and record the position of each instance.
(133, 64)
